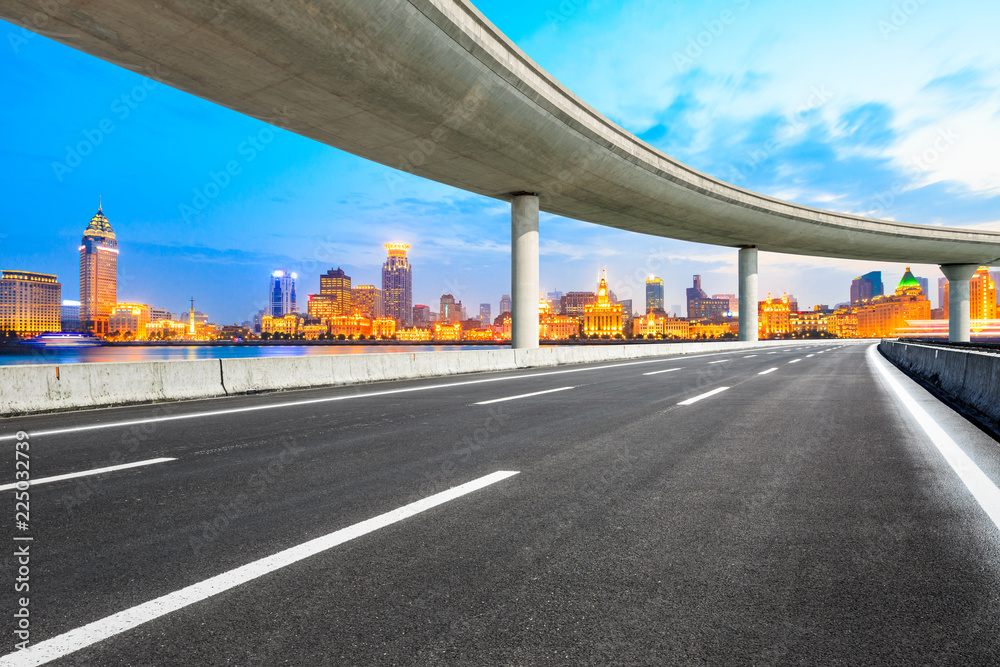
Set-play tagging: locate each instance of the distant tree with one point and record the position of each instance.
(341, 337)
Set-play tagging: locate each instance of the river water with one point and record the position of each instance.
(23, 354)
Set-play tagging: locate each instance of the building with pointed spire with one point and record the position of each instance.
(98, 274)
(397, 285)
(604, 316)
(888, 315)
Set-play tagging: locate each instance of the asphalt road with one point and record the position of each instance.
(801, 516)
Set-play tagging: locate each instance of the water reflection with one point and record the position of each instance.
(18, 354)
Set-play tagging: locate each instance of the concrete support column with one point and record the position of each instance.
(748, 293)
(959, 300)
(524, 270)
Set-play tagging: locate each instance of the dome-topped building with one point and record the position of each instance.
(98, 274)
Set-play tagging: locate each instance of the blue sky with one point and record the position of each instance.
(887, 109)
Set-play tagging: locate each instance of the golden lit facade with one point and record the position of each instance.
(350, 325)
(603, 317)
(98, 274)
(886, 316)
(983, 292)
(774, 317)
(129, 318)
(659, 326)
(367, 300)
(413, 333)
(30, 303)
(289, 324)
(383, 327)
(705, 330)
(556, 327)
(445, 331)
(166, 329)
(478, 334)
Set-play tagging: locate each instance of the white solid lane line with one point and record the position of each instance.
(794, 361)
(705, 395)
(514, 398)
(983, 489)
(345, 397)
(85, 473)
(769, 370)
(74, 640)
(669, 370)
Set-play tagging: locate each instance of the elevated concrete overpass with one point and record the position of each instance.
(432, 88)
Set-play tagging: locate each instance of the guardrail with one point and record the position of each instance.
(49, 388)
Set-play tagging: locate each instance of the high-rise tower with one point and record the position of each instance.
(654, 293)
(282, 293)
(397, 285)
(98, 274)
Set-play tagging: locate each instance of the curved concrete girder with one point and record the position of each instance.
(433, 88)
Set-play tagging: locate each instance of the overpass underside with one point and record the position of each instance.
(432, 88)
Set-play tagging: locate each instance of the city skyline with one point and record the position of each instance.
(832, 135)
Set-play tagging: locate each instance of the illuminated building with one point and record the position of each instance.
(886, 315)
(451, 310)
(603, 318)
(477, 334)
(287, 324)
(383, 327)
(626, 305)
(282, 293)
(413, 334)
(350, 325)
(706, 330)
(321, 307)
(574, 303)
(30, 303)
(867, 287)
(556, 327)
(69, 314)
(98, 274)
(843, 323)
(654, 293)
(773, 317)
(397, 285)
(367, 300)
(983, 293)
(166, 329)
(335, 285)
(484, 314)
(130, 318)
(657, 325)
(445, 331)
(502, 326)
(504, 304)
(804, 323)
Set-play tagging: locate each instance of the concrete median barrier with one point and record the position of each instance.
(969, 378)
